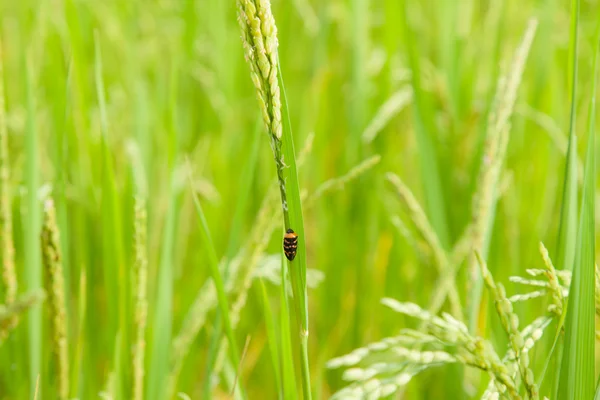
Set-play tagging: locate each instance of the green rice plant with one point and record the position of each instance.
(207, 298)
(55, 287)
(510, 323)
(256, 247)
(259, 37)
(577, 376)
(494, 153)
(101, 101)
(428, 236)
(238, 272)
(242, 269)
(384, 367)
(390, 364)
(567, 231)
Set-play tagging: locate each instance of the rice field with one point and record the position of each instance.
(269, 199)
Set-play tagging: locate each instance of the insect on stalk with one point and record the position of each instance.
(290, 244)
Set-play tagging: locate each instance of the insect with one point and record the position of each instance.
(290, 244)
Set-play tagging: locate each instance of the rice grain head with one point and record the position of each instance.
(259, 37)
(55, 287)
(510, 323)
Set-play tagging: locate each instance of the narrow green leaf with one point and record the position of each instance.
(213, 264)
(425, 132)
(115, 275)
(162, 322)
(33, 273)
(246, 180)
(290, 390)
(577, 369)
(272, 338)
(565, 247)
(296, 222)
(567, 231)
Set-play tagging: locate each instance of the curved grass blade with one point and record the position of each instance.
(33, 269)
(216, 274)
(295, 221)
(246, 180)
(577, 373)
(568, 212)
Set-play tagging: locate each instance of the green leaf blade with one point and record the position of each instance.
(577, 375)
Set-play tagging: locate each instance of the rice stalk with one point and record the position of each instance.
(427, 233)
(140, 271)
(260, 237)
(510, 323)
(446, 281)
(206, 299)
(241, 273)
(388, 110)
(382, 368)
(496, 141)
(7, 255)
(259, 244)
(257, 249)
(577, 375)
(259, 38)
(531, 334)
(55, 287)
(445, 340)
(567, 229)
(339, 183)
(554, 286)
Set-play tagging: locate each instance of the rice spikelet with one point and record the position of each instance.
(554, 286)
(259, 37)
(55, 287)
(510, 323)
(494, 152)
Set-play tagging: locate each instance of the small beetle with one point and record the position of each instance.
(290, 244)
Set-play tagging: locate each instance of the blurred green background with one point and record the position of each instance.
(176, 88)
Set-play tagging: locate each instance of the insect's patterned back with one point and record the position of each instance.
(290, 244)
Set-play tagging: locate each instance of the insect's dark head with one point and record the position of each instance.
(289, 231)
